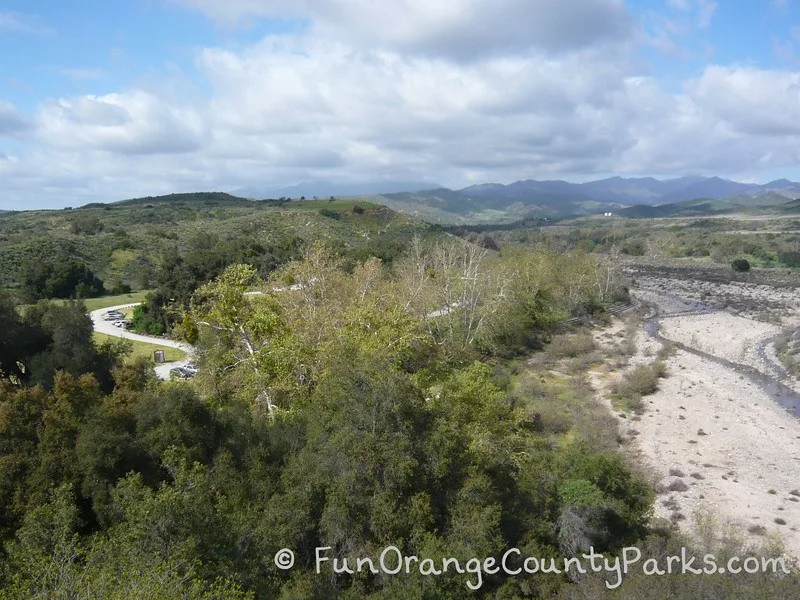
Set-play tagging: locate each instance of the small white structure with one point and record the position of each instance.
(607, 214)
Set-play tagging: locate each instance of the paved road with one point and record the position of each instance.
(162, 371)
(103, 326)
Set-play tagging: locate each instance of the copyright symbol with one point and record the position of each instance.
(284, 559)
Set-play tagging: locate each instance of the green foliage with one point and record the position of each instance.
(19, 342)
(247, 347)
(343, 411)
(86, 225)
(51, 338)
(59, 279)
(150, 318)
(119, 288)
(331, 214)
(580, 493)
(634, 247)
(50, 560)
(627, 497)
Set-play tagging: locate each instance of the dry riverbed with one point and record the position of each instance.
(713, 437)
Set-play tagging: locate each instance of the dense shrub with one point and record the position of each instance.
(633, 247)
(150, 318)
(740, 265)
(86, 225)
(58, 279)
(120, 288)
(331, 214)
(641, 381)
(571, 345)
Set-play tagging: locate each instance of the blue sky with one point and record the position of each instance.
(103, 101)
(56, 49)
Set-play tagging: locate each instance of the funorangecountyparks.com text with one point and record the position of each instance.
(391, 561)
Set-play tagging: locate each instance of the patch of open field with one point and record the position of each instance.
(106, 301)
(143, 349)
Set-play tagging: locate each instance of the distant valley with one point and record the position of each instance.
(499, 203)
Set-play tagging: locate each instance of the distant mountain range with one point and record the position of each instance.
(644, 190)
(766, 202)
(495, 202)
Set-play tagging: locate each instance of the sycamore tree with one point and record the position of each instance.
(324, 305)
(245, 345)
(453, 286)
(309, 291)
(270, 346)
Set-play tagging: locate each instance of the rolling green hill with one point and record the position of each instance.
(761, 204)
(793, 206)
(450, 207)
(206, 198)
(124, 242)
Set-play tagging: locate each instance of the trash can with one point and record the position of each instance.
(158, 356)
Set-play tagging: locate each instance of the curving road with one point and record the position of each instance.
(162, 371)
(103, 326)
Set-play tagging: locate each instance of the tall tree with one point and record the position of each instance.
(245, 344)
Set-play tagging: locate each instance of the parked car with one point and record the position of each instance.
(191, 367)
(181, 372)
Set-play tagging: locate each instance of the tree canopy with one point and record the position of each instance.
(342, 408)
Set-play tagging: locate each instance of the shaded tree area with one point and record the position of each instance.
(179, 275)
(60, 277)
(51, 338)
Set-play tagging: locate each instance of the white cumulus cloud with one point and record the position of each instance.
(453, 92)
(454, 28)
(136, 122)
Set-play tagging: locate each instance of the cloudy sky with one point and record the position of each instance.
(105, 101)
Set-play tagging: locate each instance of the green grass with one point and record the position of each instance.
(105, 301)
(101, 302)
(143, 349)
